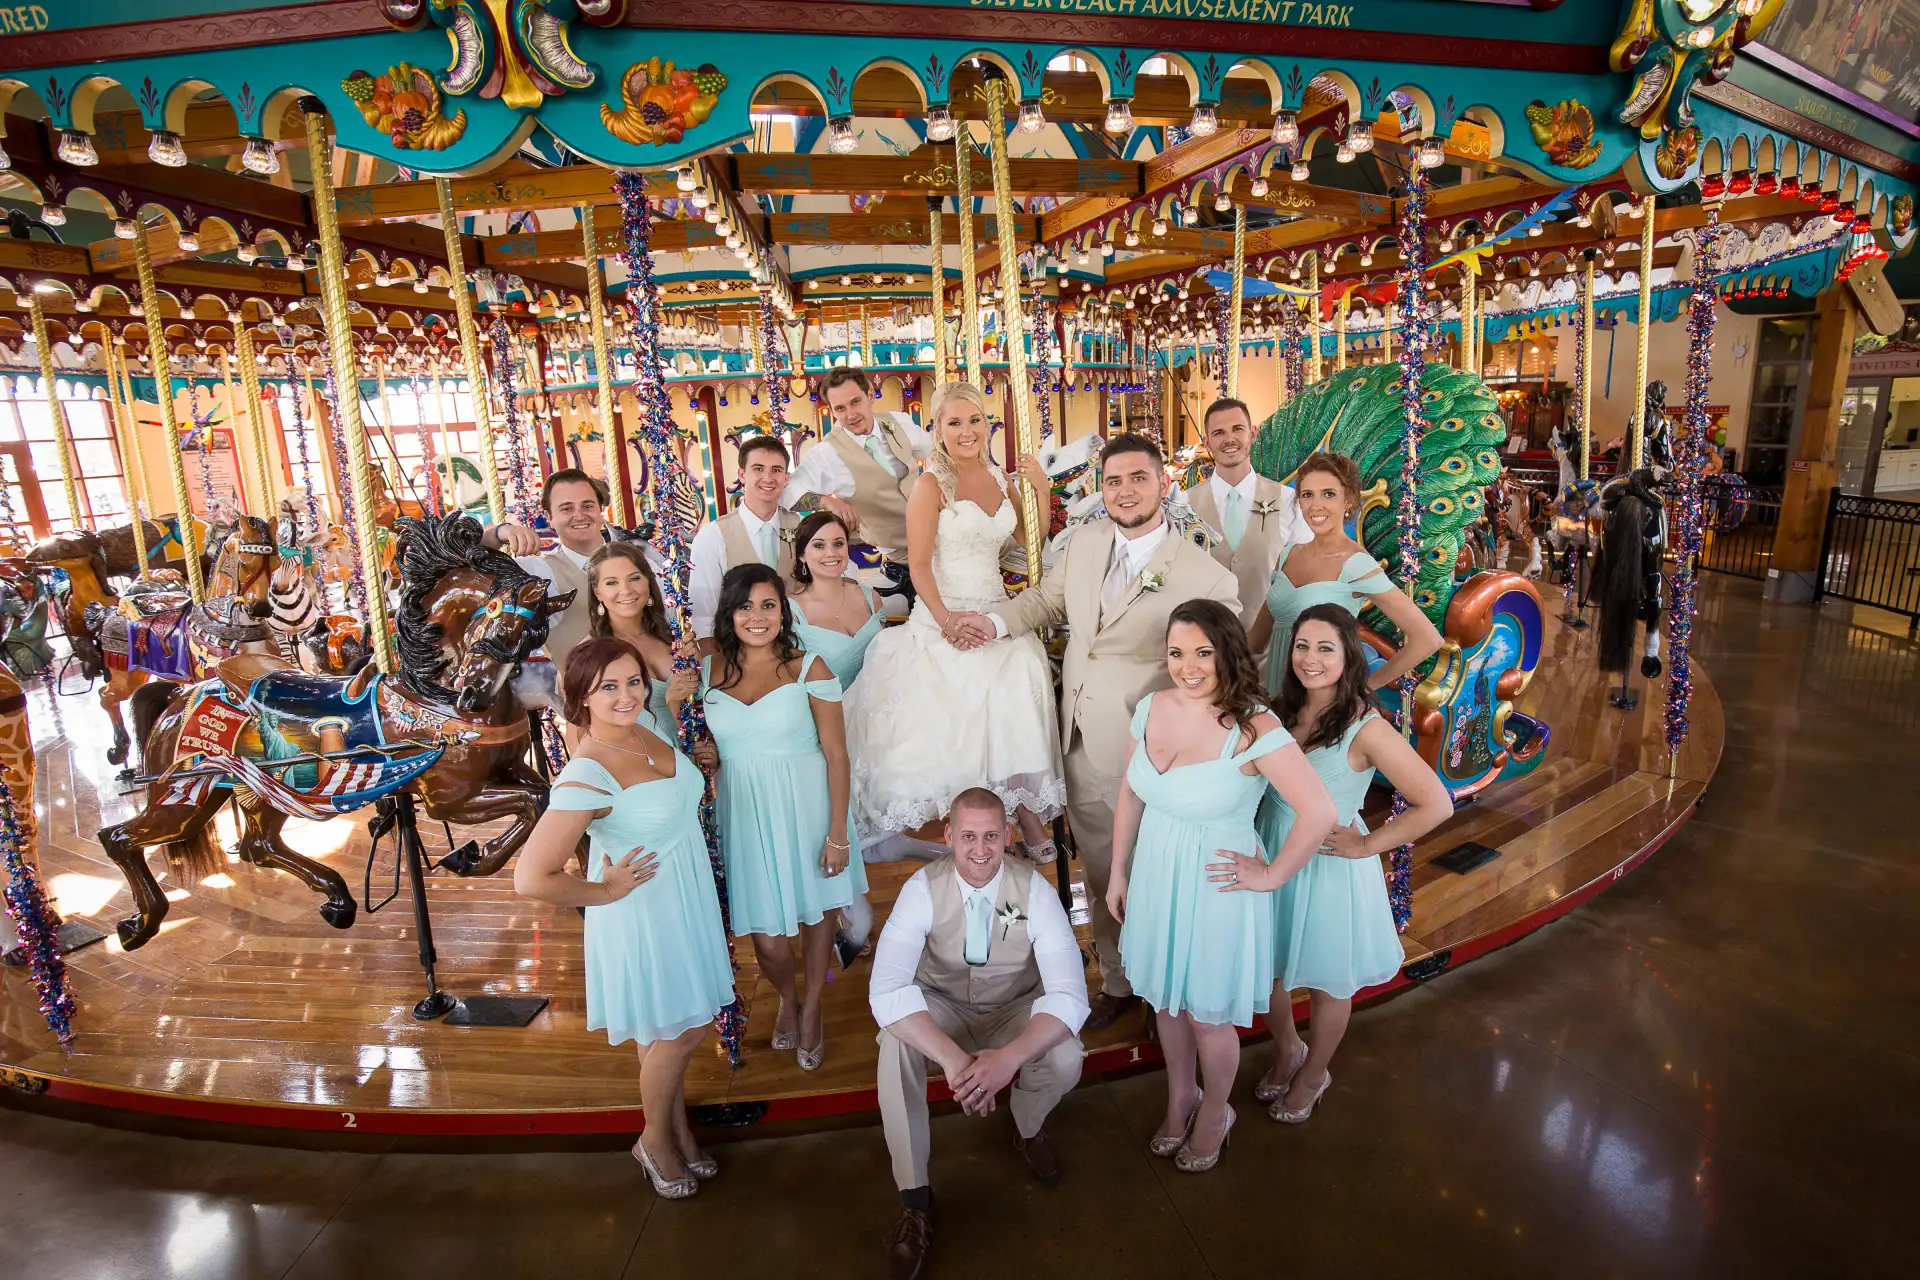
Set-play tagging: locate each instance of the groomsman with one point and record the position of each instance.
(864, 470)
(1257, 517)
(1120, 577)
(977, 971)
(756, 529)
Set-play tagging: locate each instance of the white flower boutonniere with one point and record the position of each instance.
(1010, 916)
(1152, 580)
(1266, 507)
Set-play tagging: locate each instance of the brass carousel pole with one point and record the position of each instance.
(1645, 327)
(603, 370)
(1313, 319)
(62, 441)
(1340, 335)
(249, 362)
(1238, 306)
(126, 430)
(969, 282)
(346, 371)
(1013, 322)
(163, 392)
(470, 350)
(937, 287)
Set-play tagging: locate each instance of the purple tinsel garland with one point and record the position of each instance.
(772, 374)
(349, 509)
(206, 445)
(673, 485)
(1293, 348)
(426, 440)
(35, 922)
(1689, 473)
(503, 377)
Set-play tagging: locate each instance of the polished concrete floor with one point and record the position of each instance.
(1710, 1070)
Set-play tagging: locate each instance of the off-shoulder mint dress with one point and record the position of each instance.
(1187, 945)
(1360, 577)
(657, 961)
(844, 654)
(1334, 928)
(771, 801)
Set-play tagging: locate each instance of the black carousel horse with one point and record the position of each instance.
(1629, 586)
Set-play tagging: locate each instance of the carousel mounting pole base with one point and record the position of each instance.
(74, 934)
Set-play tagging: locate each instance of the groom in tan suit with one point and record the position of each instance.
(1258, 518)
(1118, 580)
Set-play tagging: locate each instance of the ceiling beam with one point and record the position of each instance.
(928, 172)
(516, 184)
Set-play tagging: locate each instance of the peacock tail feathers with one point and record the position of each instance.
(1357, 412)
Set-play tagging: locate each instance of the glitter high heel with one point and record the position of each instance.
(1267, 1091)
(1188, 1162)
(666, 1188)
(1164, 1147)
(1300, 1115)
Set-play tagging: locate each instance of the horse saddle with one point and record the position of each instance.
(158, 645)
(291, 698)
(147, 604)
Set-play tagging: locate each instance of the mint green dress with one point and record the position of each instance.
(657, 962)
(770, 798)
(844, 654)
(1360, 577)
(1188, 945)
(1334, 928)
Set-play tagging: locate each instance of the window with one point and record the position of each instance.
(1780, 360)
(306, 461)
(34, 456)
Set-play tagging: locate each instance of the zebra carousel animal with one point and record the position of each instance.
(1627, 579)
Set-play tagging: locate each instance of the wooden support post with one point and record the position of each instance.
(1813, 472)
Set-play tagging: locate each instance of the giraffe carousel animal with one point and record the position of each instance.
(16, 763)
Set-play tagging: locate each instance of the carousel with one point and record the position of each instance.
(298, 299)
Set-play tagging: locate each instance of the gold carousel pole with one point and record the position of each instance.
(937, 288)
(1013, 321)
(470, 350)
(127, 436)
(1645, 328)
(603, 369)
(62, 441)
(256, 410)
(1586, 371)
(339, 325)
(1313, 319)
(1340, 335)
(969, 282)
(163, 392)
(1238, 307)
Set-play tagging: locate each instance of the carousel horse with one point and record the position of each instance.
(90, 562)
(1632, 544)
(284, 743)
(1519, 508)
(1574, 500)
(1491, 623)
(183, 642)
(23, 620)
(16, 763)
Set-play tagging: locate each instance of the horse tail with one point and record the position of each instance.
(149, 702)
(1622, 551)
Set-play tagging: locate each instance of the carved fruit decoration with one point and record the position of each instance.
(406, 104)
(661, 101)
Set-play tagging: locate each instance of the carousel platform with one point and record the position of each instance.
(249, 1010)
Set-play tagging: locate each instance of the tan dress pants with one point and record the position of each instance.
(1091, 792)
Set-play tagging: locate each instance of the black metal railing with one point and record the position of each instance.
(1740, 519)
(1870, 554)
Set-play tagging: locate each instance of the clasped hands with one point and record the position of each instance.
(979, 1078)
(967, 630)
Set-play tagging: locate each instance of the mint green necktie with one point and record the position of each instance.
(979, 926)
(878, 448)
(768, 556)
(1235, 518)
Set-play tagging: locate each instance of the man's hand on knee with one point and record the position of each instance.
(990, 1071)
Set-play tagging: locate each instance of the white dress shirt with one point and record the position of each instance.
(1137, 550)
(894, 994)
(539, 568)
(824, 471)
(710, 565)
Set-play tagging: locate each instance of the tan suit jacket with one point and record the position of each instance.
(1110, 668)
(1267, 535)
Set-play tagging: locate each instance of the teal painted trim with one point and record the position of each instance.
(1784, 91)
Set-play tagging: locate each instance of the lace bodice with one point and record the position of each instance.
(966, 554)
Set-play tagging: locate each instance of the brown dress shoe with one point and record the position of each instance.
(1106, 1010)
(907, 1245)
(1038, 1154)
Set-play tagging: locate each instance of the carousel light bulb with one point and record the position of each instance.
(939, 123)
(1119, 116)
(1190, 215)
(53, 215)
(1433, 153)
(1129, 304)
(813, 284)
(1360, 135)
(419, 284)
(296, 263)
(1106, 248)
(1260, 186)
(1343, 153)
(1082, 257)
(200, 341)
(1446, 245)
(260, 157)
(1535, 229)
(1206, 121)
(1183, 297)
(1299, 172)
(1132, 238)
(1584, 220)
(723, 227)
(247, 254)
(1032, 118)
(1222, 203)
(82, 305)
(77, 339)
(685, 179)
(733, 242)
(841, 139)
(189, 242)
(165, 147)
(1159, 226)
(1286, 128)
(1366, 259)
(1293, 272)
(846, 282)
(382, 278)
(76, 147)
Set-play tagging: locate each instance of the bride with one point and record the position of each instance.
(927, 720)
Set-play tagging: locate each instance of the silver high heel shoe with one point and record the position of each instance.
(1043, 853)
(1163, 1147)
(785, 1040)
(809, 1059)
(665, 1188)
(703, 1166)
(1265, 1092)
(1300, 1115)
(1188, 1162)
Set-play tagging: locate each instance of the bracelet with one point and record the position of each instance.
(841, 845)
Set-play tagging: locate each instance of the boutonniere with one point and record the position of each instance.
(787, 533)
(1152, 580)
(1010, 916)
(1266, 507)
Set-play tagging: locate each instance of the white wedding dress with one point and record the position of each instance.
(925, 721)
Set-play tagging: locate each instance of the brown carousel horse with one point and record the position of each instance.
(448, 727)
(183, 642)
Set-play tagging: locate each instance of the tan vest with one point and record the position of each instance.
(569, 627)
(739, 546)
(879, 496)
(1010, 974)
(1255, 559)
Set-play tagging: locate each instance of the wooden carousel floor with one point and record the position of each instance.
(249, 1008)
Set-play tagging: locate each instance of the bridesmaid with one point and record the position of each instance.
(1334, 568)
(1202, 754)
(627, 602)
(1334, 926)
(844, 618)
(657, 962)
(781, 795)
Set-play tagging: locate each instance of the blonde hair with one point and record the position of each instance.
(941, 463)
